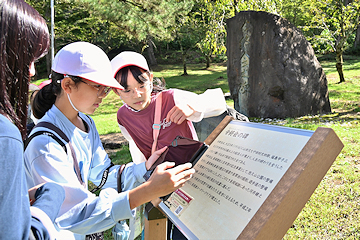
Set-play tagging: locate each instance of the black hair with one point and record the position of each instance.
(122, 75)
(24, 38)
(46, 96)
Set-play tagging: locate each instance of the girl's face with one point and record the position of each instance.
(137, 95)
(88, 95)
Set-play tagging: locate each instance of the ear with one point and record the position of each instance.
(151, 77)
(32, 69)
(67, 84)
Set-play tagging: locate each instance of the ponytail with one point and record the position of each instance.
(46, 97)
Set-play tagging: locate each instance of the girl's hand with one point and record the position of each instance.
(179, 113)
(165, 179)
(154, 157)
(32, 192)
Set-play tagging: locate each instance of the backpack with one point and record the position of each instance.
(63, 145)
(93, 236)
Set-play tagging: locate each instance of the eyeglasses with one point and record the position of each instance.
(103, 91)
(144, 88)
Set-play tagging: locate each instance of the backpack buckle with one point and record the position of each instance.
(156, 126)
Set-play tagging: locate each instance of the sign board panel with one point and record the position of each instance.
(252, 182)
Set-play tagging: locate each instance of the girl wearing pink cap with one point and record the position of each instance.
(140, 94)
(151, 116)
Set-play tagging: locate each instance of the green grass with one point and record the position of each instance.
(198, 79)
(333, 211)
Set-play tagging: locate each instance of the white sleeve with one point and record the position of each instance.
(136, 155)
(45, 220)
(208, 104)
(81, 212)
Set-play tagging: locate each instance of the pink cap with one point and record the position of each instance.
(85, 60)
(128, 58)
(44, 83)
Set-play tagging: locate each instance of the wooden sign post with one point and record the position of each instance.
(252, 181)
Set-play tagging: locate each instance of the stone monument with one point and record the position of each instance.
(272, 69)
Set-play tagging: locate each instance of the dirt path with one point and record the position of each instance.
(113, 141)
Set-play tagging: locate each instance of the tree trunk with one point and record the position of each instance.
(339, 65)
(184, 64)
(150, 50)
(357, 39)
(183, 57)
(207, 61)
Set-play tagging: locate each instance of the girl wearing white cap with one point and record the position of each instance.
(146, 99)
(81, 78)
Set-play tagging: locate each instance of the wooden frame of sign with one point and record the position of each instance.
(285, 202)
(278, 210)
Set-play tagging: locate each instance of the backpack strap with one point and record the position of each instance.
(53, 128)
(156, 126)
(121, 169)
(66, 139)
(27, 141)
(103, 179)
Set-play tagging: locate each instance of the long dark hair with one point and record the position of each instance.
(122, 74)
(24, 38)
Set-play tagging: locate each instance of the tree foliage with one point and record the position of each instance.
(213, 15)
(196, 25)
(140, 18)
(73, 22)
(271, 6)
(335, 21)
(296, 11)
(189, 31)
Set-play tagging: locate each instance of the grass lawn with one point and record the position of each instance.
(333, 211)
